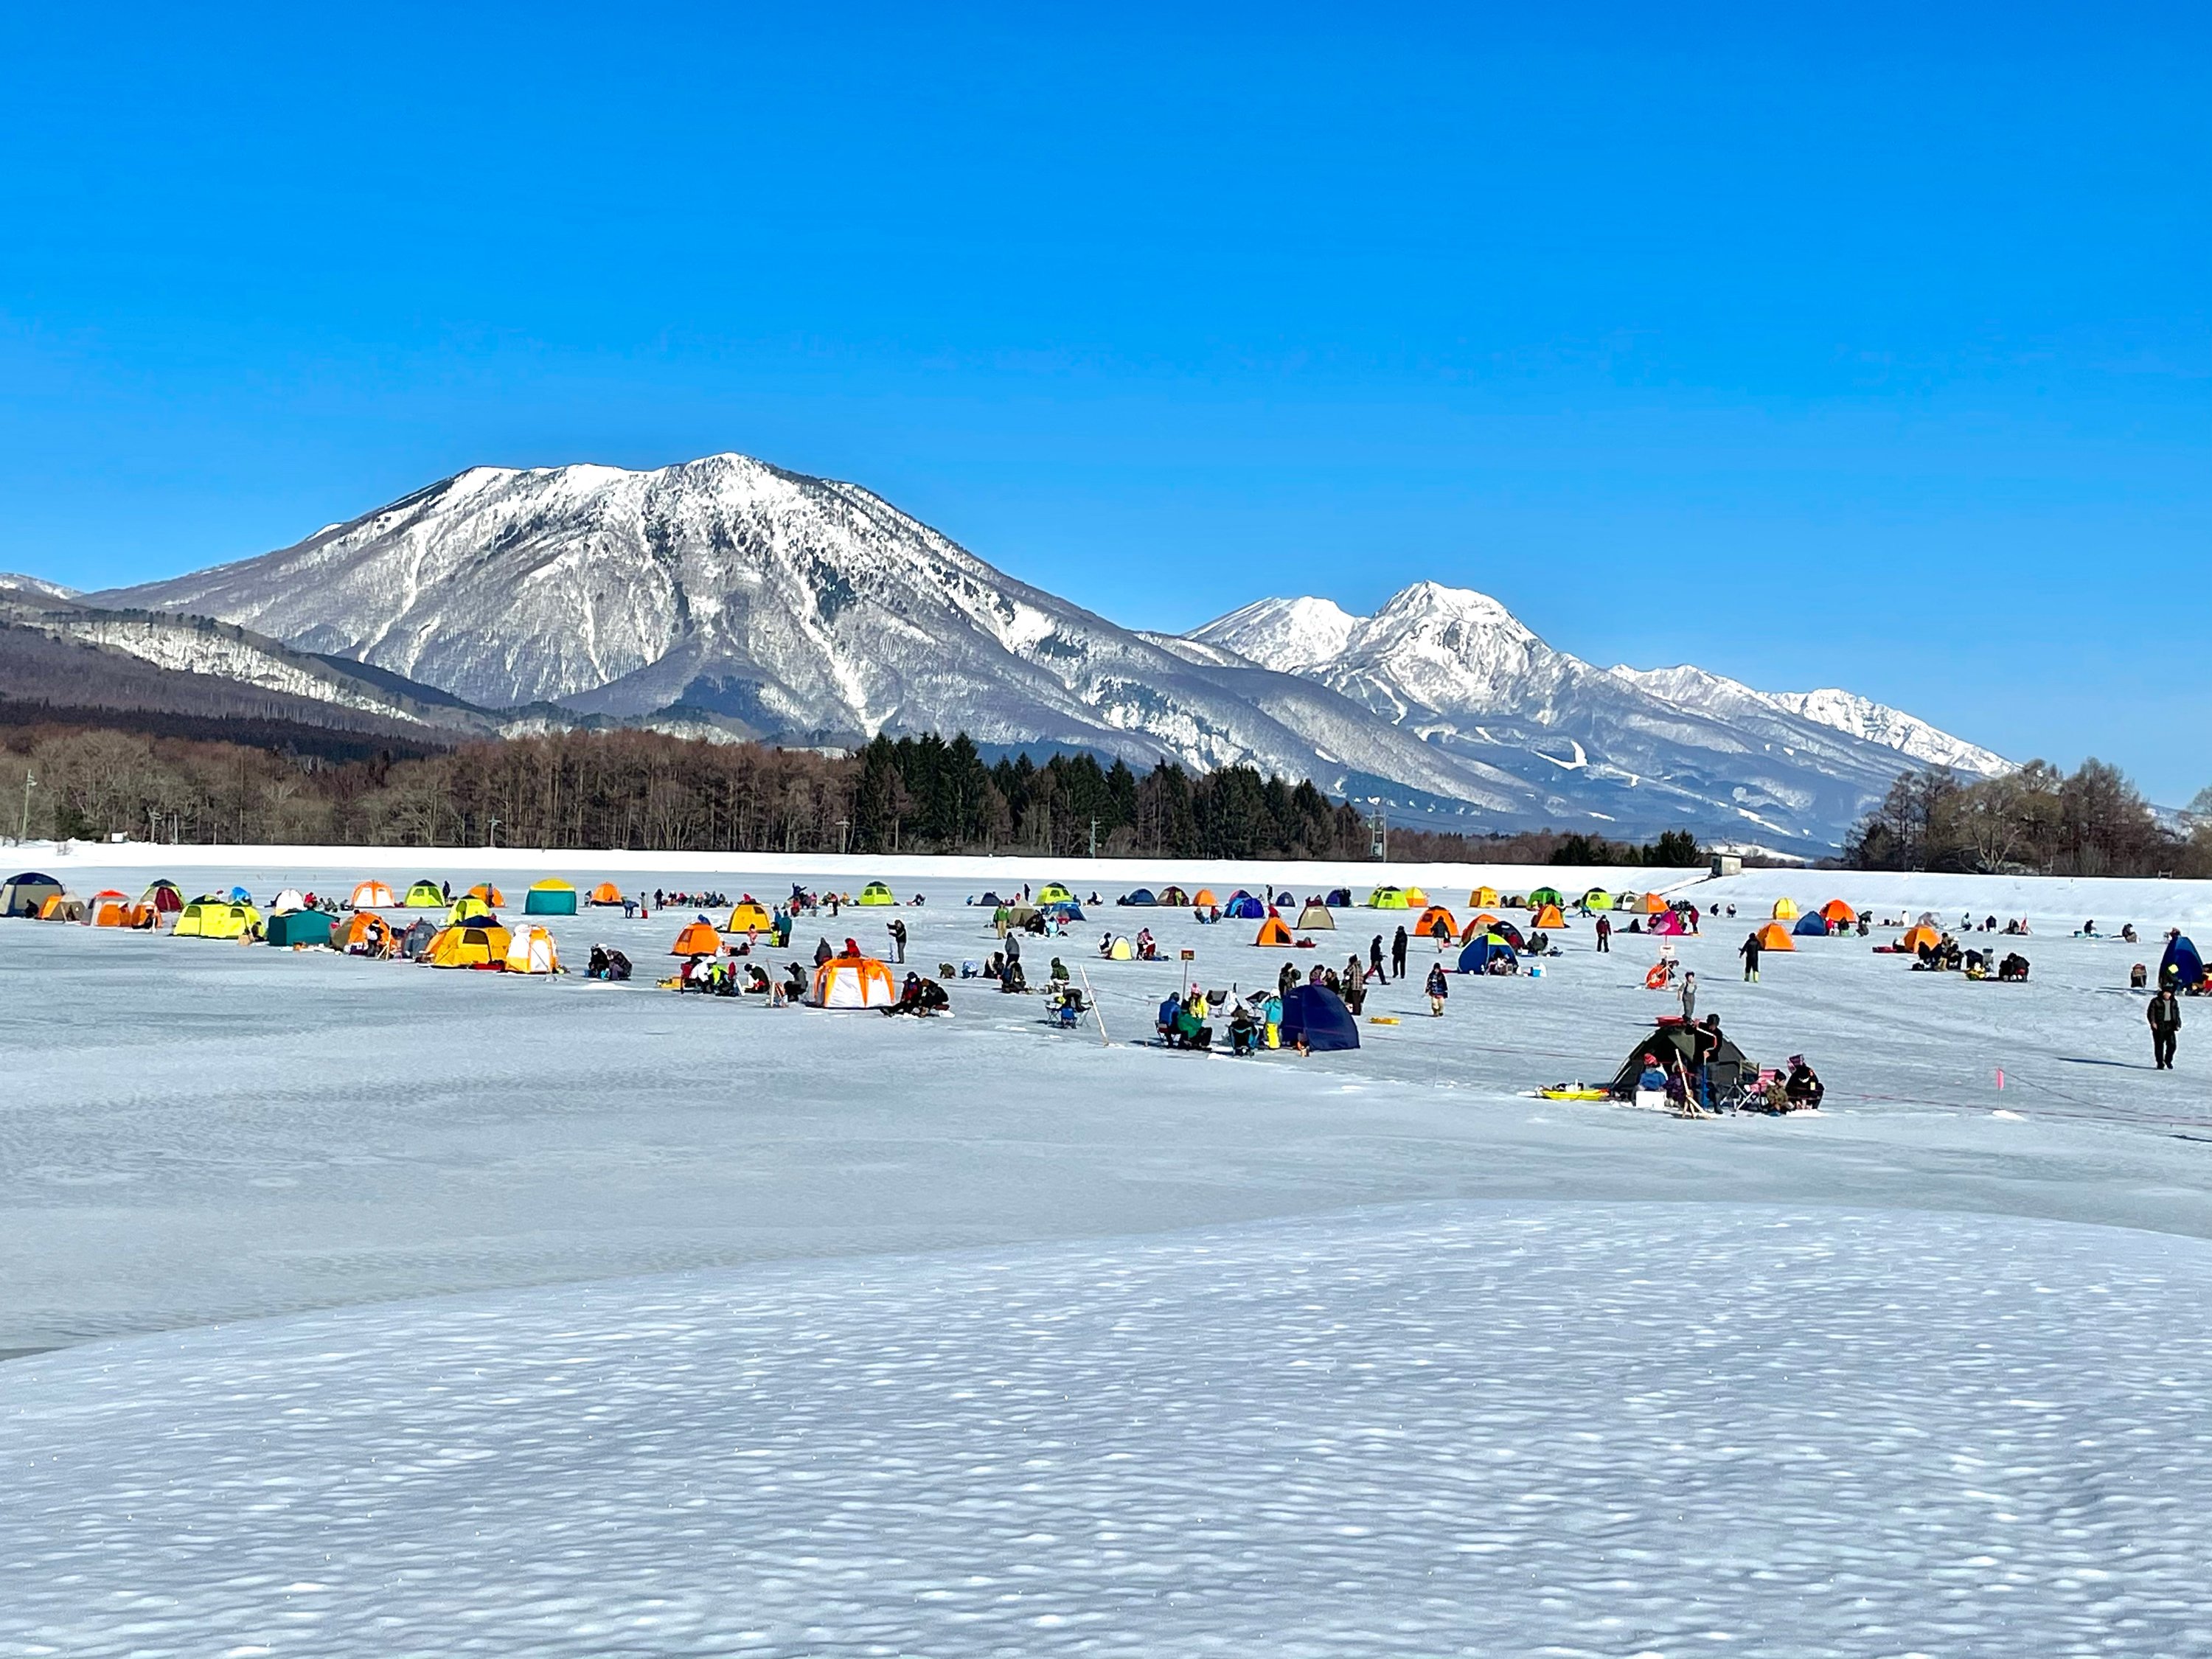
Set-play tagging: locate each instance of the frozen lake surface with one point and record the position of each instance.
(1529, 1429)
(982, 1337)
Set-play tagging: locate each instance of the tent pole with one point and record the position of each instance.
(1097, 1012)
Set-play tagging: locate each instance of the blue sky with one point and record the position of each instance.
(1868, 346)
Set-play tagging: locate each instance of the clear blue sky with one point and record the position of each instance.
(1854, 346)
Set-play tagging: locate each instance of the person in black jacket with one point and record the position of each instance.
(1398, 955)
(2164, 1015)
(1749, 952)
(1375, 961)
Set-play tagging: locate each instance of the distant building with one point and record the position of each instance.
(1727, 864)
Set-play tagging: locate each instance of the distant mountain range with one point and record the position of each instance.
(729, 598)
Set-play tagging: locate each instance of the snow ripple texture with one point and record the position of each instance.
(1550, 1430)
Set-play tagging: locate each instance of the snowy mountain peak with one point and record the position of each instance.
(32, 588)
(1285, 634)
(1875, 723)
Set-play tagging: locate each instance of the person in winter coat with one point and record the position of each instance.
(1604, 937)
(1749, 952)
(1438, 988)
(1398, 954)
(897, 931)
(2164, 1015)
(823, 952)
(1355, 987)
(1374, 960)
(1689, 995)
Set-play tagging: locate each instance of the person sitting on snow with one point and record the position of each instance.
(1803, 1088)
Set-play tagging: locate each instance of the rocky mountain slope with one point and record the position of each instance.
(744, 598)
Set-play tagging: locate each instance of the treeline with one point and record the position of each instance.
(2036, 821)
(651, 791)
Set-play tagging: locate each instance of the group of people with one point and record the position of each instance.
(1181, 1020)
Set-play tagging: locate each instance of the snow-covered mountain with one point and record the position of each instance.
(794, 608)
(1460, 670)
(730, 594)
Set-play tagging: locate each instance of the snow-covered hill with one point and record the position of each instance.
(1460, 670)
(730, 593)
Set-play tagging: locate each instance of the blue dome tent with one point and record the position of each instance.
(1318, 1015)
(1811, 926)
(1480, 953)
(2181, 957)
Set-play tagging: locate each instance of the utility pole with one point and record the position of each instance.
(491, 833)
(1094, 847)
(844, 825)
(29, 784)
(1378, 835)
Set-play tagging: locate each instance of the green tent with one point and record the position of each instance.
(299, 927)
(423, 895)
(876, 893)
(549, 898)
(1388, 898)
(1597, 899)
(1544, 896)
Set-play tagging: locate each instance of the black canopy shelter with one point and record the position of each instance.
(1727, 1067)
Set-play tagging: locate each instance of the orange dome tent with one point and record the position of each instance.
(1430, 918)
(366, 934)
(375, 896)
(1416, 899)
(1204, 897)
(1915, 938)
(490, 894)
(112, 911)
(606, 893)
(1549, 916)
(1271, 932)
(1652, 904)
(1836, 913)
(1475, 929)
(1775, 937)
(697, 939)
(852, 982)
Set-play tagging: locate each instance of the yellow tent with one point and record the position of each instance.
(876, 893)
(748, 917)
(1388, 898)
(1483, 898)
(1122, 951)
(213, 918)
(469, 946)
(530, 951)
(470, 907)
(374, 896)
(1786, 909)
(1775, 937)
(424, 895)
(1416, 899)
(1052, 892)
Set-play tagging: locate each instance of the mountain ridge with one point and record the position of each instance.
(788, 608)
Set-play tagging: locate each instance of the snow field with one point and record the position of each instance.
(1499, 1430)
(199, 1132)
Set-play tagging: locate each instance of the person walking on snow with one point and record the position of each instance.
(2164, 1015)
(1749, 952)
(1398, 955)
(1438, 988)
(1374, 960)
(1604, 937)
(1689, 994)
